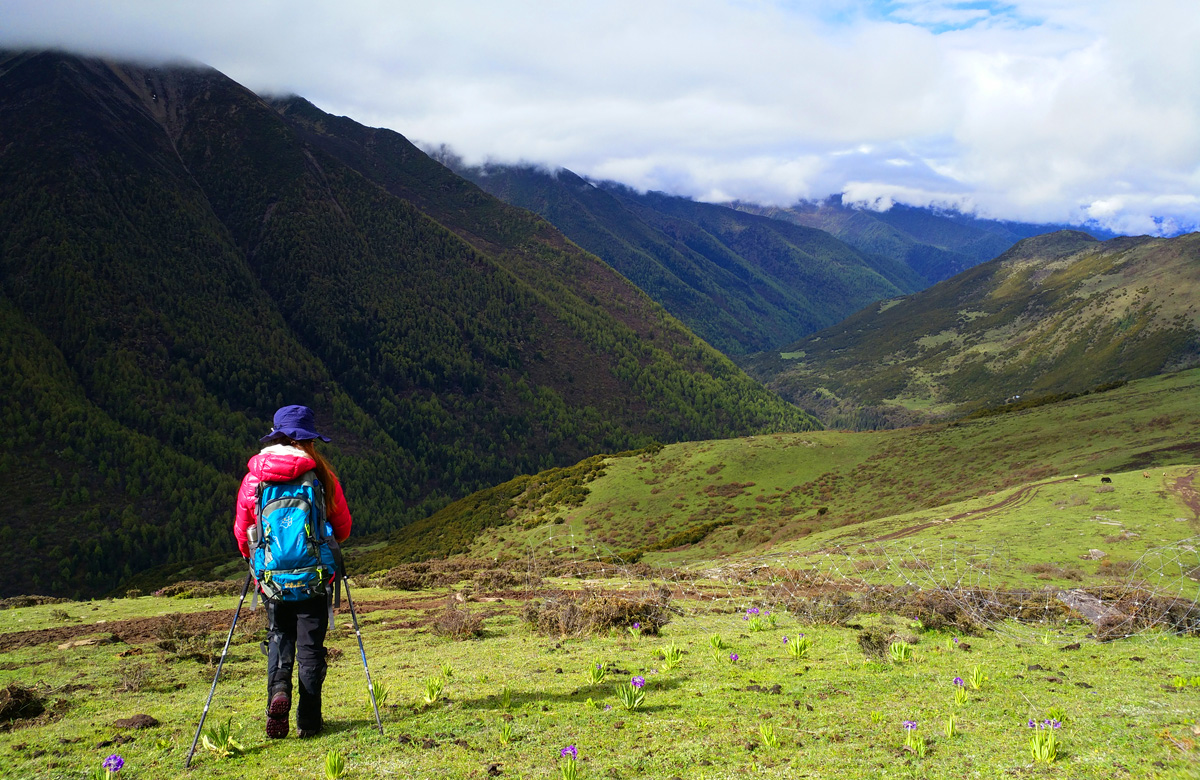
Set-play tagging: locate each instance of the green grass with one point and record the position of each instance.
(996, 498)
(836, 712)
(796, 492)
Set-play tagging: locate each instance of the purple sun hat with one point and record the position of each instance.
(293, 422)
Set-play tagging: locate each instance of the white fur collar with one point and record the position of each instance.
(284, 449)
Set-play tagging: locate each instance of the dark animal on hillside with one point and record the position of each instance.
(1106, 479)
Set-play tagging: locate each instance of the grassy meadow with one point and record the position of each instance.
(511, 699)
(772, 523)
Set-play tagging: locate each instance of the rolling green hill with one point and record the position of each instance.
(1056, 314)
(742, 282)
(178, 257)
(694, 502)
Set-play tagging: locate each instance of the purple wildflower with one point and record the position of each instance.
(752, 611)
(607, 707)
(800, 635)
(637, 626)
(113, 763)
(733, 657)
(1052, 724)
(569, 752)
(910, 725)
(638, 682)
(959, 682)
(955, 640)
(1032, 723)
(785, 640)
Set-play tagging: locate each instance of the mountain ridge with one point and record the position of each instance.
(740, 281)
(1058, 313)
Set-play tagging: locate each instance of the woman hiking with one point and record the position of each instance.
(295, 627)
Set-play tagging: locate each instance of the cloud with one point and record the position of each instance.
(1044, 110)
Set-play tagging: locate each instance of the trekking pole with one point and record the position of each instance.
(362, 651)
(216, 677)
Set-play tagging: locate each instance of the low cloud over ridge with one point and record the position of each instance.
(1036, 110)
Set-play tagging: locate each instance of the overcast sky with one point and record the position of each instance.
(1037, 110)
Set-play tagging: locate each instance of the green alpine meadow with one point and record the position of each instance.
(1009, 595)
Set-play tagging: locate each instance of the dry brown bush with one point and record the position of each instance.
(132, 676)
(1046, 571)
(1111, 568)
(20, 703)
(938, 610)
(457, 622)
(409, 576)
(874, 642)
(578, 614)
(832, 608)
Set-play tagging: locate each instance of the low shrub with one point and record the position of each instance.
(496, 579)
(1049, 571)
(197, 589)
(577, 614)
(938, 610)
(875, 642)
(457, 622)
(16, 602)
(19, 703)
(831, 609)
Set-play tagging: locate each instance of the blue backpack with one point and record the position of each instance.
(295, 555)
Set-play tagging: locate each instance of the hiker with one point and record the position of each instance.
(295, 628)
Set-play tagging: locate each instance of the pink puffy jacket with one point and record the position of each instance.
(278, 463)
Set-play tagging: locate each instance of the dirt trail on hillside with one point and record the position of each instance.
(1019, 496)
(1185, 488)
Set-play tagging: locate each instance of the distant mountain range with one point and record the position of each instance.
(178, 257)
(937, 244)
(1057, 314)
(742, 282)
(748, 278)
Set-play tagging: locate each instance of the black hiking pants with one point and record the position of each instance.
(296, 631)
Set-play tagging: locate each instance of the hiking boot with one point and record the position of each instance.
(277, 715)
(312, 730)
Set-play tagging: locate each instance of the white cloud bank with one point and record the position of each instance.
(1038, 110)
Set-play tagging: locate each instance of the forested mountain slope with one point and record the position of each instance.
(742, 282)
(1056, 314)
(178, 258)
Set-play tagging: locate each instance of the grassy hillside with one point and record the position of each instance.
(798, 492)
(742, 282)
(945, 553)
(1061, 313)
(177, 259)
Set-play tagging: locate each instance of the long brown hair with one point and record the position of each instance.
(325, 472)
